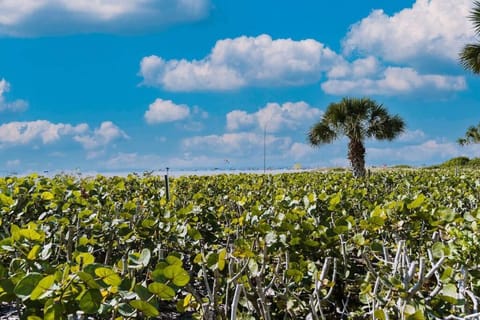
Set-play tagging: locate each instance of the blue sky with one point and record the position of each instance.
(136, 85)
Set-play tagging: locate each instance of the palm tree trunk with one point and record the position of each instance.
(356, 155)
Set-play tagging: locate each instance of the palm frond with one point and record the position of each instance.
(321, 133)
(470, 57)
(475, 16)
(472, 135)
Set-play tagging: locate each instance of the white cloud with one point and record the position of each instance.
(18, 133)
(13, 163)
(430, 151)
(394, 81)
(166, 111)
(300, 151)
(274, 117)
(242, 143)
(411, 136)
(243, 61)
(135, 161)
(102, 136)
(430, 28)
(360, 68)
(16, 105)
(40, 17)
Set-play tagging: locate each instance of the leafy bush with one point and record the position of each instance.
(455, 162)
(474, 163)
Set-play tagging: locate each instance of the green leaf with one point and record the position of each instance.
(177, 274)
(44, 285)
(146, 308)
(221, 259)
(125, 310)
(359, 240)
(26, 285)
(88, 279)
(52, 310)
(418, 315)
(419, 200)
(91, 301)
(108, 276)
(32, 255)
(449, 293)
(172, 260)
(47, 195)
(162, 290)
(5, 200)
(334, 201)
(142, 292)
(84, 258)
(379, 314)
(438, 250)
(30, 234)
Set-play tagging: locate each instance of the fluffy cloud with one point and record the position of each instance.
(359, 68)
(429, 151)
(166, 111)
(395, 81)
(15, 133)
(273, 117)
(242, 143)
(243, 61)
(430, 28)
(135, 161)
(412, 135)
(300, 151)
(40, 17)
(100, 137)
(16, 105)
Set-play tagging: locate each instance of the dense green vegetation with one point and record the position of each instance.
(460, 162)
(398, 245)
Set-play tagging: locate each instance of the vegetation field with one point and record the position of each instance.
(395, 245)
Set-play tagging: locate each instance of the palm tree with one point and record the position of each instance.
(470, 54)
(471, 136)
(470, 59)
(357, 119)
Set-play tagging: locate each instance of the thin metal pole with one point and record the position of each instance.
(166, 186)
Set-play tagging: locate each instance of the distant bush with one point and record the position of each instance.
(475, 162)
(456, 162)
(401, 166)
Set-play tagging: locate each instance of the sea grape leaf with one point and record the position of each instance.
(44, 285)
(146, 308)
(108, 276)
(26, 285)
(162, 290)
(91, 301)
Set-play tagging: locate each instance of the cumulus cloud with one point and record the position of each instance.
(273, 117)
(411, 135)
(430, 28)
(166, 111)
(18, 133)
(136, 161)
(300, 151)
(16, 105)
(101, 136)
(426, 152)
(242, 143)
(395, 81)
(46, 17)
(360, 68)
(243, 61)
